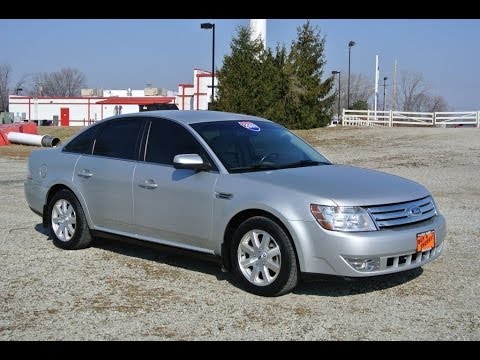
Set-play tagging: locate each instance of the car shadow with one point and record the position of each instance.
(151, 252)
(42, 230)
(317, 286)
(339, 286)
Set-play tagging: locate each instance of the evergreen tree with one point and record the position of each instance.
(239, 79)
(278, 80)
(360, 105)
(309, 104)
(281, 86)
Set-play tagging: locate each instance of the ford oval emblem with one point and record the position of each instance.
(414, 211)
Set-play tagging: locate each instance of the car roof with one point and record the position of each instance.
(198, 116)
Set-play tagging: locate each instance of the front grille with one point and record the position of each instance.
(401, 214)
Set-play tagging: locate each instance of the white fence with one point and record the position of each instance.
(401, 118)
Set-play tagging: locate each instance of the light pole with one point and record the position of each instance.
(350, 44)
(208, 26)
(40, 88)
(384, 86)
(17, 90)
(334, 72)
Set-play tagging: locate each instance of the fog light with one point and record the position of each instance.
(364, 265)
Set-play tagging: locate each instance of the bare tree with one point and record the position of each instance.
(63, 83)
(5, 73)
(412, 92)
(21, 84)
(6, 89)
(361, 89)
(437, 104)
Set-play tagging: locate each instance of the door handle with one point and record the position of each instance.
(85, 173)
(148, 184)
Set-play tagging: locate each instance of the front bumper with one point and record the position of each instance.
(326, 252)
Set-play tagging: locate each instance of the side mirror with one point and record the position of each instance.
(190, 161)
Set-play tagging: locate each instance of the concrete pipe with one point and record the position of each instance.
(32, 139)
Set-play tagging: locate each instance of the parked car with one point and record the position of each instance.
(241, 189)
(334, 123)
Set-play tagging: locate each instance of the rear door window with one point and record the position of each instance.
(119, 139)
(83, 143)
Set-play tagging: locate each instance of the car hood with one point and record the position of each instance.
(343, 184)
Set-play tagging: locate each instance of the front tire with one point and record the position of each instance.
(263, 257)
(67, 222)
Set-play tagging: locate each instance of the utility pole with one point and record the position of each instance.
(377, 73)
(335, 72)
(394, 95)
(384, 87)
(350, 44)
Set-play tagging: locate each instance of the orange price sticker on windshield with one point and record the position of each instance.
(425, 241)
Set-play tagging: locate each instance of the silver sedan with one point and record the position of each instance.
(238, 188)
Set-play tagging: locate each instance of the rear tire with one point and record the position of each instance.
(67, 223)
(263, 257)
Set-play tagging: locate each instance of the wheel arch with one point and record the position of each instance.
(238, 219)
(55, 189)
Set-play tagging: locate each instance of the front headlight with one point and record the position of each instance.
(342, 218)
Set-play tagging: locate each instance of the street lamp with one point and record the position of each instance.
(334, 72)
(208, 26)
(17, 90)
(350, 44)
(384, 86)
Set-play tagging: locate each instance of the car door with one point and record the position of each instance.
(104, 177)
(172, 206)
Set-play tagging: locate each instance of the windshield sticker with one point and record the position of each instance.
(249, 125)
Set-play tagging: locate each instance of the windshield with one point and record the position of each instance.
(255, 145)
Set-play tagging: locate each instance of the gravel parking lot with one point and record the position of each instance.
(115, 291)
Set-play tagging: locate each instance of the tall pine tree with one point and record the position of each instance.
(278, 80)
(281, 86)
(239, 84)
(309, 104)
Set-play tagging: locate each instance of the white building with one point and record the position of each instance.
(196, 96)
(97, 104)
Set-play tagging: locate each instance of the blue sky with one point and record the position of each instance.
(128, 53)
